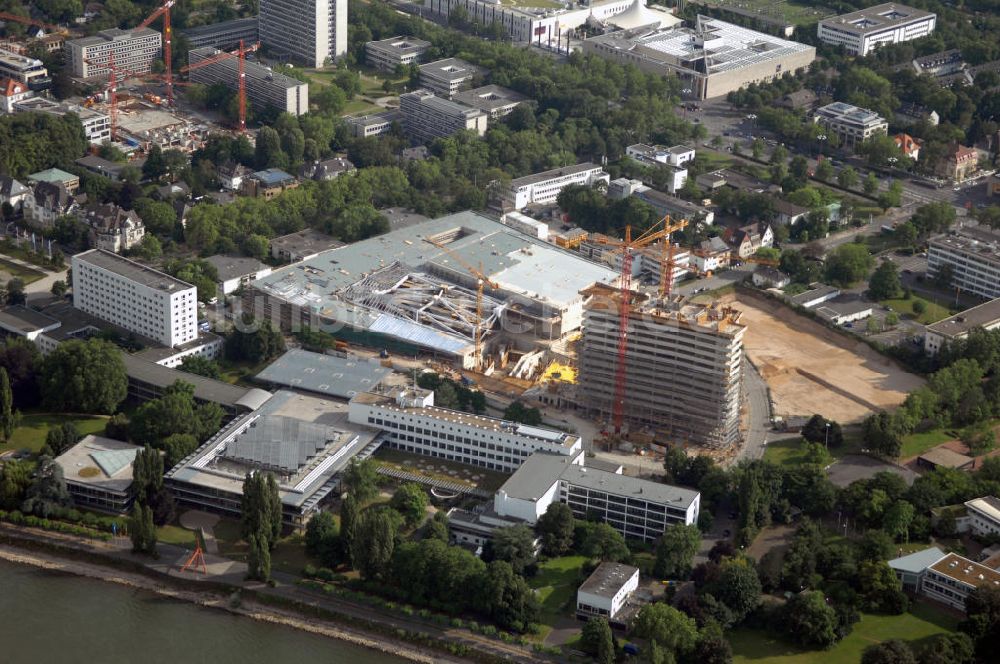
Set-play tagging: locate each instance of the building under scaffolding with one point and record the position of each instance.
(684, 366)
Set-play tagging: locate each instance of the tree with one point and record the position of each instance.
(254, 341)
(21, 359)
(809, 620)
(597, 641)
(154, 167)
(260, 508)
(15, 478)
(59, 288)
(847, 178)
(445, 396)
(884, 283)
(897, 519)
(738, 587)
(555, 527)
(350, 512)
(149, 248)
(603, 542)
(892, 651)
(675, 551)
(6, 406)
(201, 366)
(919, 307)
(507, 598)
(514, 545)
(15, 292)
(61, 438)
(848, 263)
(322, 539)
(870, 185)
(147, 474)
(410, 500)
(882, 591)
(361, 480)
(141, 529)
(815, 431)
(933, 218)
(437, 527)
(824, 171)
(982, 621)
(954, 648)
(259, 557)
(83, 377)
(373, 541)
(667, 626)
(47, 491)
(518, 412)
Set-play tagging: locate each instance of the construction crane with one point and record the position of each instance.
(481, 281)
(115, 75)
(628, 247)
(164, 11)
(26, 20)
(239, 53)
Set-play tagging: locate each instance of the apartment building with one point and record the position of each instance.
(25, 70)
(387, 54)
(863, 31)
(135, 297)
(225, 35)
(973, 254)
(851, 124)
(412, 423)
(133, 51)
(113, 228)
(427, 117)
(985, 316)
(446, 77)
(495, 101)
(310, 32)
(959, 163)
(696, 350)
(543, 188)
(264, 87)
(983, 516)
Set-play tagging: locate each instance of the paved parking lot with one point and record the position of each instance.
(854, 467)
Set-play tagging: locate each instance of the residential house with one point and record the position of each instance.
(48, 202)
(959, 163)
(789, 214)
(268, 183)
(11, 92)
(766, 276)
(745, 241)
(328, 169)
(13, 192)
(711, 255)
(909, 146)
(113, 228)
(231, 176)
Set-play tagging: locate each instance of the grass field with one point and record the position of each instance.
(919, 624)
(441, 469)
(794, 13)
(289, 556)
(932, 312)
(918, 443)
(358, 106)
(34, 427)
(556, 584)
(175, 535)
(25, 274)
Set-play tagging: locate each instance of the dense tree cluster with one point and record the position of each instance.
(452, 394)
(254, 340)
(260, 521)
(83, 377)
(31, 142)
(175, 423)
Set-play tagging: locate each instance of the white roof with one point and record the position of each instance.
(916, 563)
(988, 505)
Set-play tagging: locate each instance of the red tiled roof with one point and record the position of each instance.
(9, 87)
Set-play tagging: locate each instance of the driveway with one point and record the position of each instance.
(854, 467)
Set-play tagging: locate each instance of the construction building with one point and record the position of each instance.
(712, 59)
(851, 124)
(224, 36)
(132, 51)
(973, 255)
(863, 31)
(544, 188)
(264, 87)
(310, 32)
(387, 54)
(427, 117)
(985, 316)
(21, 68)
(446, 77)
(684, 366)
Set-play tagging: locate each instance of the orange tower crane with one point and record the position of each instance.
(239, 53)
(112, 88)
(481, 281)
(164, 10)
(628, 247)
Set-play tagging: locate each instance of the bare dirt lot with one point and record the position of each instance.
(811, 369)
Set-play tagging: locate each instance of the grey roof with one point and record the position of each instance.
(877, 19)
(917, 562)
(812, 294)
(223, 26)
(331, 375)
(958, 325)
(630, 487)
(489, 97)
(205, 389)
(608, 579)
(844, 112)
(450, 69)
(102, 463)
(537, 475)
(306, 241)
(279, 443)
(842, 305)
(132, 270)
(400, 44)
(100, 165)
(22, 320)
(234, 267)
(554, 173)
(9, 187)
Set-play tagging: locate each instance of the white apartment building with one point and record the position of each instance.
(863, 31)
(427, 117)
(23, 69)
(133, 51)
(135, 297)
(264, 87)
(307, 31)
(446, 77)
(983, 516)
(412, 423)
(851, 124)
(677, 155)
(606, 590)
(953, 328)
(387, 54)
(974, 256)
(543, 188)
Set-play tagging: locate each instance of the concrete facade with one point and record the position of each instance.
(387, 54)
(851, 124)
(427, 117)
(543, 188)
(309, 32)
(863, 31)
(264, 87)
(973, 254)
(133, 51)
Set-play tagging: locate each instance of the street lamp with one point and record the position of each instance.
(826, 441)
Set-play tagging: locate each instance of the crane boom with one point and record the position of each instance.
(164, 10)
(27, 20)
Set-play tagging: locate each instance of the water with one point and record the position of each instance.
(54, 618)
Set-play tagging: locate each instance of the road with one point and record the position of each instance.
(758, 414)
(42, 288)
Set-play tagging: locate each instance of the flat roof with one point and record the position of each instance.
(306, 241)
(133, 271)
(205, 389)
(537, 475)
(989, 505)
(942, 456)
(630, 487)
(608, 579)
(113, 34)
(888, 16)
(916, 563)
(400, 44)
(335, 376)
(223, 26)
(489, 97)
(450, 69)
(553, 173)
(234, 267)
(98, 462)
(966, 572)
(19, 319)
(844, 112)
(983, 315)
(813, 293)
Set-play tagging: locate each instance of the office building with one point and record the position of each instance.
(543, 188)
(952, 578)
(387, 54)
(677, 155)
(133, 51)
(264, 87)
(985, 316)
(712, 58)
(224, 36)
(495, 101)
(973, 255)
(309, 32)
(135, 297)
(427, 117)
(446, 77)
(606, 591)
(96, 125)
(268, 183)
(983, 515)
(24, 69)
(233, 272)
(375, 124)
(696, 350)
(863, 31)
(98, 473)
(851, 124)
(302, 245)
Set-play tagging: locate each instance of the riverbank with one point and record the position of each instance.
(213, 600)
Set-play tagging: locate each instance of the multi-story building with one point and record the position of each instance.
(973, 256)
(412, 423)
(446, 77)
(98, 473)
(427, 117)
(311, 32)
(863, 31)
(696, 350)
(387, 54)
(268, 183)
(493, 100)
(959, 163)
(851, 124)
(606, 591)
(375, 124)
(225, 36)
(47, 202)
(983, 516)
(677, 155)
(712, 58)
(96, 126)
(133, 51)
(135, 297)
(951, 579)
(543, 188)
(985, 316)
(11, 92)
(264, 87)
(113, 228)
(25, 70)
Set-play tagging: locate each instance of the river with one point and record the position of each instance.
(56, 618)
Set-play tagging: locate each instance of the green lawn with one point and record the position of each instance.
(920, 623)
(918, 443)
(556, 584)
(34, 426)
(932, 313)
(289, 556)
(25, 274)
(789, 451)
(359, 106)
(176, 535)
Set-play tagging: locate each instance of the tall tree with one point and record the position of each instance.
(670, 628)
(884, 283)
(141, 529)
(6, 406)
(555, 527)
(514, 545)
(322, 540)
(349, 514)
(361, 480)
(597, 640)
(507, 598)
(84, 377)
(675, 551)
(892, 651)
(410, 500)
(373, 541)
(48, 490)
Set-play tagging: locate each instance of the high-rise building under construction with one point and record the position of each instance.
(683, 366)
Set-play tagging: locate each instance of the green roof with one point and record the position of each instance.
(52, 175)
(112, 461)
